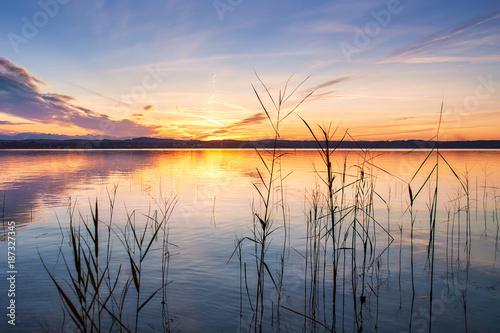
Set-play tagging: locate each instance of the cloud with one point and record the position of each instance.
(117, 102)
(426, 60)
(8, 67)
(324, 95)
(332, 82)
(256, 118)
(21, 95)
(253, 119)
(317, 26)
(440, 37)
(403, 118)
(5, 122)
(226, 104)
(149, 108)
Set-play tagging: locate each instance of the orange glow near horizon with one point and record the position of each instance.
(369, 108)
(297, 131)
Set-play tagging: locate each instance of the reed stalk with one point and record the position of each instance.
(92, 297)
(270, 182)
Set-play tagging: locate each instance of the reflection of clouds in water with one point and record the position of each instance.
(34, 179)
(47, 178)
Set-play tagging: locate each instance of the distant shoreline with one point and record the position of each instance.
(152, 143)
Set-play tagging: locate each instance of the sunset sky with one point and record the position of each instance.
(184, 69)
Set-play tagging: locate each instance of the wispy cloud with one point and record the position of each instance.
(228, 105)
(21, 95)
(208, 119)
(403, 118)
(316, 96)
(332, 82)
(321, 27)
(254, 119)
(440, 38)
(427, 60)
(5, 122)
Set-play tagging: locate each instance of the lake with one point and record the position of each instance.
(394, 261)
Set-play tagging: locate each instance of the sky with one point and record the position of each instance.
(186, 69)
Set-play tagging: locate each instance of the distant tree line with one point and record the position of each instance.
(152, 143)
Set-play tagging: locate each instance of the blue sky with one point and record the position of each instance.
(184, 69)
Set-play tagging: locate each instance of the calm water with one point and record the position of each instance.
(215, 194)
